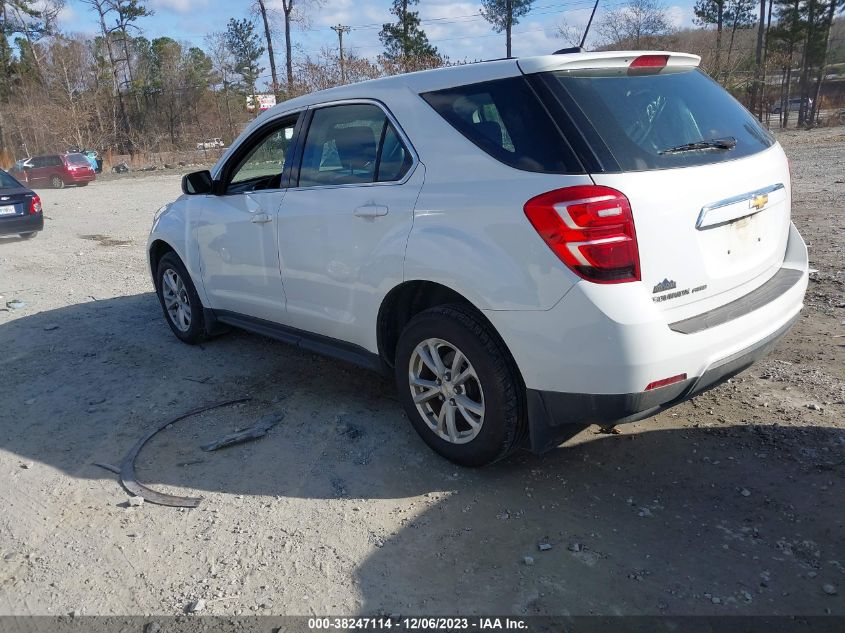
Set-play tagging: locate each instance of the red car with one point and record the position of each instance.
(56, 170)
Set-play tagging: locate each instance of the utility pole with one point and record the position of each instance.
(340, 29)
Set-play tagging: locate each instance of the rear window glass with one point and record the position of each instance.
(7, 182)
(77, 159)
(640, 117)
(505, 119)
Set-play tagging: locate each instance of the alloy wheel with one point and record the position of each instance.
(446, 391)
(176, 301)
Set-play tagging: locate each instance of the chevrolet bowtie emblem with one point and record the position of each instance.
(758, 202)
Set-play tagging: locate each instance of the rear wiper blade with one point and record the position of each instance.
(726, 143)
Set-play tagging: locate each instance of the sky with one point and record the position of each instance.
(454, 26)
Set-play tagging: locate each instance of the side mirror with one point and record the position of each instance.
(197, 183)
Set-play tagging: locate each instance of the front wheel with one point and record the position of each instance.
(460, 387)
(179, 300)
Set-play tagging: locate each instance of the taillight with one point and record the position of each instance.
(35, 205)
(591, 229)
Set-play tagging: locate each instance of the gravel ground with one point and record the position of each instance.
(729, 504)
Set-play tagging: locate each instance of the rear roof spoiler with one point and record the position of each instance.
(601, 60)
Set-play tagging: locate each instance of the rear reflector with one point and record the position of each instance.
(650, 61)
(657, 384)
(35, 205)
(591, 229)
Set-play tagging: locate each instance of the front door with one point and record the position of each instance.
(237, 237)
(344, 226)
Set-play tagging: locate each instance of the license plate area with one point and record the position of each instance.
(8, 210)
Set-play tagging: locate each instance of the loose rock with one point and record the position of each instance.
(197, 605)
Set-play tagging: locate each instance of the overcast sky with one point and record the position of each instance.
(454, 26)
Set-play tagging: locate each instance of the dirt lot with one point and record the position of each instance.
(729, 504)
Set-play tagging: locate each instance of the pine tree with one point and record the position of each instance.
(404, 39)
(246, 49)
(503, 15)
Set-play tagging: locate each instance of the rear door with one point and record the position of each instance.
(344, 227)
(38, 174)
(708, 186)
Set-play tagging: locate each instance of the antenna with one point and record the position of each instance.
(589, 23)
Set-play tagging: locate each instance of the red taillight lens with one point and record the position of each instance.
(35, 205)
(591, 229)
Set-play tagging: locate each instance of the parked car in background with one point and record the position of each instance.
(529, 246)
(20, 208)
(57, 171)
(794, 105)
(214, 143)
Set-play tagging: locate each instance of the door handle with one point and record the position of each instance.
(371, 211)
(261, 218)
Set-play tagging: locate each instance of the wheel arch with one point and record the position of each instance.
(157, 249)
(410, 298)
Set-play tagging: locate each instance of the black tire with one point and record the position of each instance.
(28, 236)
(82, 184)
(504, 424)
(195, 333)
(57, 183)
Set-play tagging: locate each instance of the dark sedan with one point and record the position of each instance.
(20, 208)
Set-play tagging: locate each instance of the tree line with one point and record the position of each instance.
(121, 91)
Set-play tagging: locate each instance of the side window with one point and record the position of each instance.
(352, 144)
(264, 162)
(55, 161)
(505, 119)
(395, 160)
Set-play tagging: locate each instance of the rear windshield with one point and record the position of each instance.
(7, 182)
(77, 159)
(639, 118)
(505, 119)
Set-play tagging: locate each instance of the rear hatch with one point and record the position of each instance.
(15, 199)
(708, 187)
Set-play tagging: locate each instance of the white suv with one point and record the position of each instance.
(530, 246)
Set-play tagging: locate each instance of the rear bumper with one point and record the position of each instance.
(75, 179)
(21, 224)
(589, 359)
(550, 412)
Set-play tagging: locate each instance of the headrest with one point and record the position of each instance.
(355, 145)
(491, 130)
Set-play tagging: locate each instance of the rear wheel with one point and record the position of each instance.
(459, 386)
(57, 182)
(82, 184)
(179, 300)
(28, 236)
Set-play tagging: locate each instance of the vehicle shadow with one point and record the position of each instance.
(731, 518)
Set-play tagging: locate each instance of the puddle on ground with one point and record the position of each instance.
(105, 240)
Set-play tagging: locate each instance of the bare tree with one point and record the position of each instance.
(638, 24)
(261, 8)
(568, 33)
